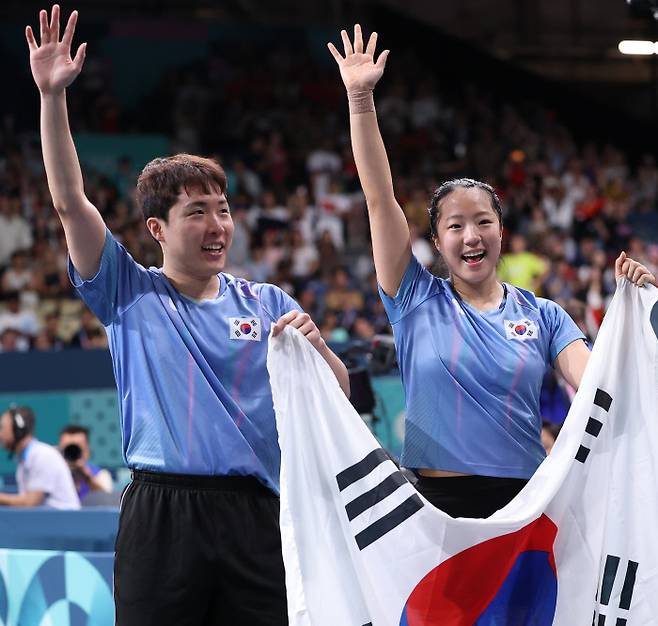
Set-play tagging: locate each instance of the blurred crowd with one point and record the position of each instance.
(279, 126)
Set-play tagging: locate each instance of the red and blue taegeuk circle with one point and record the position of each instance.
(245, 328)
(510, 580)
(520, 329)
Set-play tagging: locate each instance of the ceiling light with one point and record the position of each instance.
(630, 46)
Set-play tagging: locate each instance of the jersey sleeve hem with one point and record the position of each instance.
(407, 299)
(76, 280)
(564, 345)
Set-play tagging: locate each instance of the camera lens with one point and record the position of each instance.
(72, 452)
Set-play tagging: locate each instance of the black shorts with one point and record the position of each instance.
(199, 551)
(469, 496)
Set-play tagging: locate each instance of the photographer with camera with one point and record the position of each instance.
(74, 446)
(42, 475)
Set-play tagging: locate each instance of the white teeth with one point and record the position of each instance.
(214, 248)
(473, 255)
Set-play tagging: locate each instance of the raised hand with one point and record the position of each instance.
(358, 69)
(637, 273)
(53, 68)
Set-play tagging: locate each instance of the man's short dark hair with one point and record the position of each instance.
(75, 429)
(163, 179)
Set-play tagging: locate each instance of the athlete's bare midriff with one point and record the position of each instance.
(434, 473)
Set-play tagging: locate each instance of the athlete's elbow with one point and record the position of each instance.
(379, 202)
(69, 205)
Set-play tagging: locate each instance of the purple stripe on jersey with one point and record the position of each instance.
(509, 400)
(241, 371)
(190, 403)
(457, 345)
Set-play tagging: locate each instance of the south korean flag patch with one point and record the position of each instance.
(244, 328)
(523, 330)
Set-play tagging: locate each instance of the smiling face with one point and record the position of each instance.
(197, 234)
(469, 235)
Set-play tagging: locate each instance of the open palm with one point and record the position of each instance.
(53, 68)
(358, 68)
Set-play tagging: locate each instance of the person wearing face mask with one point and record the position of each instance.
(198, 539)
(472, 351)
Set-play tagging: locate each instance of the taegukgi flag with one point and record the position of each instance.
(577, 546)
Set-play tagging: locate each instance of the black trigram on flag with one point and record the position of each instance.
(371, 491)
(603, 400)
(617, 605)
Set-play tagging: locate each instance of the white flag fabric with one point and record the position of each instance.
(577, 546)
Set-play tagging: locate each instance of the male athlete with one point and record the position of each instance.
(198, 539)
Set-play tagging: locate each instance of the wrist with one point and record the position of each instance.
(52, 95)
(361, 101)
(322, 347)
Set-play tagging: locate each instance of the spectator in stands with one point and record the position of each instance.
(49, 338)
(303, 256)
(342, 296)
(12, 341)
(245, 180)
(362, 329)
(189, 347)
(420, 247)
(49, 270)
(328, 253)
(520, 267)
(332, 206)
(42, 476)
(19, 318)
(15, 231)
(18, 276)
(559, 206)
(323, 163)
(331, 330)
(74, 446)
(91, 333)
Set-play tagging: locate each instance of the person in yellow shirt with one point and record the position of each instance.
(522, 268)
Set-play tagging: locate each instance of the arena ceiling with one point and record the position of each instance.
(566, 40)
(570, 42)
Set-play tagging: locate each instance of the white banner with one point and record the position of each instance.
(577, 546)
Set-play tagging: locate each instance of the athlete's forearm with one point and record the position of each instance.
(337, 367)
(391, 245)
(369, 150)
(60, 156)
(83, 225)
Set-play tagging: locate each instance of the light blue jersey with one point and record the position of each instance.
(194, 392)
(472, 379)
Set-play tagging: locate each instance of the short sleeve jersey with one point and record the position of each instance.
(42, 468)
(472, 379)
(194, 391)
